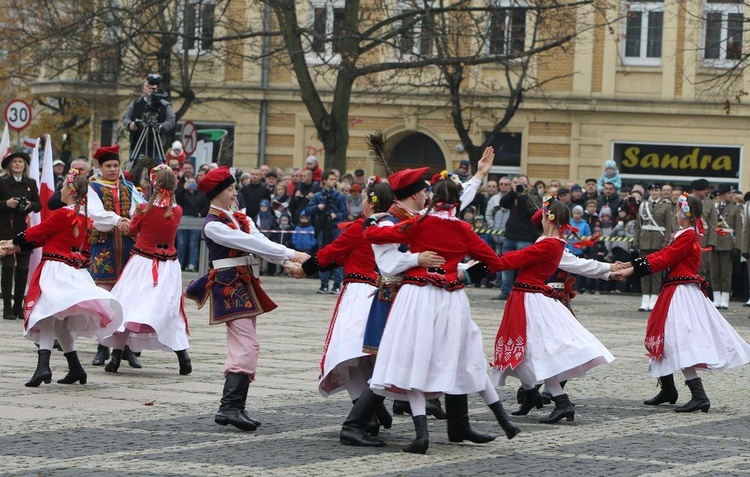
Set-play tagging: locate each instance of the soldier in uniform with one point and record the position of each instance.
(112, 202)
(728, 240)
(709, 223)
(653, 229)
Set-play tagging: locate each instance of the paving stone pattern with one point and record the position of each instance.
(153, 421)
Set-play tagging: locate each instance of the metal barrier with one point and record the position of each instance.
(196, 223)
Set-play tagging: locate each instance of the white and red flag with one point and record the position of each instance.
(35, 217)
(5, 142)
(47, 184)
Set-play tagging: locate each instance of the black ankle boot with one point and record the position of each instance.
(384, 417)
(459, 429)
(698, 399)
(420, 444)
(510, 427)
(563, 408)
(531, 400)
(75, 370)
(373, 423)
(114, 362)
(353, 432)
(435, 409)
(102, 355)
(131, 358)
(235, 389)
(185, 365)
(668, 392)
(42, 373)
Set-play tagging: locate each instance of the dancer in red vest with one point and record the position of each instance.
(539, 339)
(63, 301)
(685, 331)
(156, 318)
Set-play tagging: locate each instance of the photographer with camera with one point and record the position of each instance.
(19, 197)
(149, 119)
(327, 209)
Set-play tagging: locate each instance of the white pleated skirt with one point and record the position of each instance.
(157, 306)
(695, 334)
(342, 353)
(430, 344)
(557, 345)
(70, 294)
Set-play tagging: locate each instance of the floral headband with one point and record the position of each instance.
(370, 192)
(444, 175)
(155, 170)
(72, 173)
(682, 202)
(545, 207)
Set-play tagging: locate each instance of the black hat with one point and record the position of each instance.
(590, 180)
(9, 157)
(653, 186)
(359, 172)
(562, 191)
(272, 174)
(724, 188)
(699, 184)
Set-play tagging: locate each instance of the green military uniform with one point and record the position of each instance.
(728, 238)
(653, 231)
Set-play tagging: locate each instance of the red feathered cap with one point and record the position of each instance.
(407, 182)
(216, 181)
(104, 154)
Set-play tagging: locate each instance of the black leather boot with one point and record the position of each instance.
(547, 396)
(384, 417)
(131, 358)
(668, 392)
(353, 431)
(19, 291)
(42, 373)
(373, 424)
(235, 389)
(563, 408)
(6, 285)
(102, 355)
(698, 400)
(244, 414)
(75, 370)
(459, 429)
(183, 358)
(432, 407)
(114, 362)
(420, 444)
(510, 427)
(532, 399)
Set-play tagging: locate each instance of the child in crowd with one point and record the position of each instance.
(595, 251)
(577, 222)
(267, 222)
(610, 174)
(303, 238)
(468, 215)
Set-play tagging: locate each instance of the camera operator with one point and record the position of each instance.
(19, 197)
(148, 114)
(520, 232)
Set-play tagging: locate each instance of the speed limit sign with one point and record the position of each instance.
(18, 114)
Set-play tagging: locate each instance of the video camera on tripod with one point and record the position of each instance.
(150, 116)
(150, 142)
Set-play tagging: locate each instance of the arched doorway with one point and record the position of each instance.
(417, 150)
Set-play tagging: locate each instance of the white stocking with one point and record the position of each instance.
(690, 373)
(489, 394)
(46, 333)
(64, 337)
(553, 386)
(417, 402)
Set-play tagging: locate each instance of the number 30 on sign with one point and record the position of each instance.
(18, 114)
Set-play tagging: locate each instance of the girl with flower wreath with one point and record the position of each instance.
(150, 287)
(233, 290)
(540, 340)
(430, 344)
(685, 331)
(344, 365)
(63, 301)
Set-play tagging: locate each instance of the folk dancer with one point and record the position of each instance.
(233, 290)
(156, 319)
(653, 229)
(685, 331)
(79, 308)
(430, 344)
(112, 203)
(728, 243)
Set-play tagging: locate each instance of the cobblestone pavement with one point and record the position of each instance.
(154, 422)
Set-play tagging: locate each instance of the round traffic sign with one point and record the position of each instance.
(189, 137)
(18, 114)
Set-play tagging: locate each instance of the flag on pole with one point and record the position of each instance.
(35, 217)
(5, 142)
(47, 186)
(30, 142)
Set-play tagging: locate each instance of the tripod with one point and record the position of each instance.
(149, 137)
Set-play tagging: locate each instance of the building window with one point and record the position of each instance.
(723, 32)
(326, 21)
(199, 26)
(507, 28)
(644, 24)
(418, 29)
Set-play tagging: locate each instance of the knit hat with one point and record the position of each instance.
(605, 211)
(610, 163)
(578, 208)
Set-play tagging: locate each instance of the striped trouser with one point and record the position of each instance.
(242, 347)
